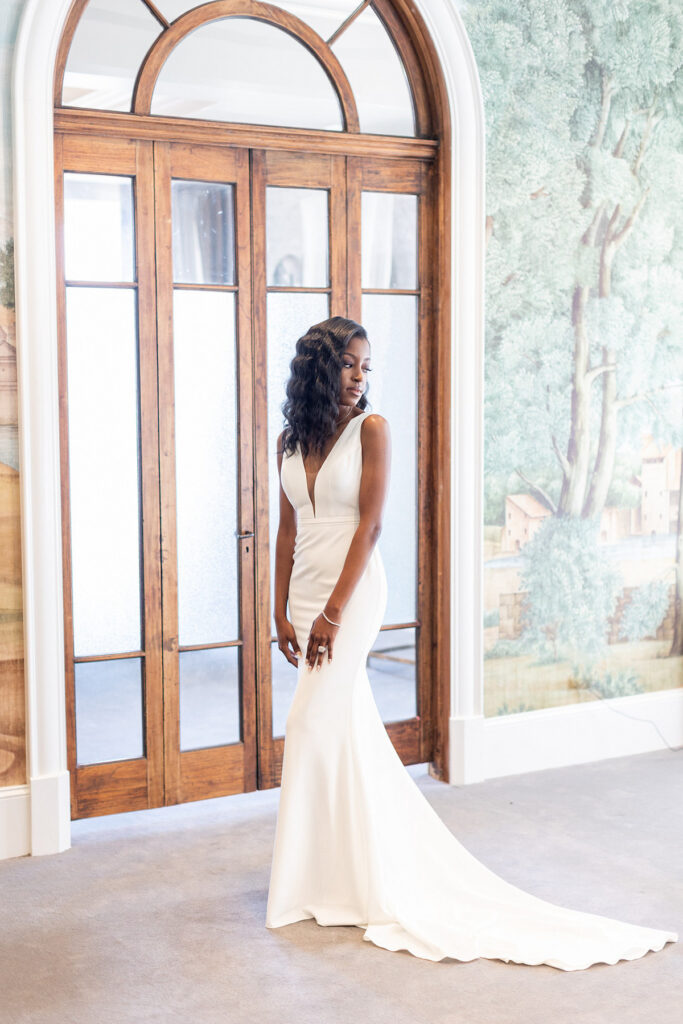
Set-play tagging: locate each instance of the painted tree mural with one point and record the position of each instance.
(584, 321)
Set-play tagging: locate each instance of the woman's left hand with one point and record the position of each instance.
(322, 635)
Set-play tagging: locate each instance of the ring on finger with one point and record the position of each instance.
(321, 650)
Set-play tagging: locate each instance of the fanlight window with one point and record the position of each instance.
(238, 69)
(242, 68)
(108, 47)
(377, 77)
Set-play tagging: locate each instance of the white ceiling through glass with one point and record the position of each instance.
(242, 70)
(238, 69)
(109, 44)
(375, 71)
(325, 16)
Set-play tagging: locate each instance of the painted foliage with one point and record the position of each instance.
(584, 361)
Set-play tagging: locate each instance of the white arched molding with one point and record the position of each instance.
(458, 66)
(37, 816)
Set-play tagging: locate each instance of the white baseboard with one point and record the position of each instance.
(15, 821)
(467, 749)
(36, 819)
(487, 748)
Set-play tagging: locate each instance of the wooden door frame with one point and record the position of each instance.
(232, 769)
(431, 109)
(38, 815)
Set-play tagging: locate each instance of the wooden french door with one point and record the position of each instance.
(186, 273)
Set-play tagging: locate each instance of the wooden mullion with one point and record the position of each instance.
(109, 657)
(193, 287)
(131, 285)
(426, 637)
(268, 762)
(209, 647)
(338, 238)
(302, 289)
(167, 471)
(354, 171)
(245, 512)
(437, 178)
(152, 664)
(155, 12)
(391, 291)
(347, 22)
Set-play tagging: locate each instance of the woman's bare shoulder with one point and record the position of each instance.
(374, 425)
(375, 438)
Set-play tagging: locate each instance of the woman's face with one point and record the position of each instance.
(355, 369)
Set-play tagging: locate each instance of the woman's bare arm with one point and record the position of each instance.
(374, 484)
(284, 557)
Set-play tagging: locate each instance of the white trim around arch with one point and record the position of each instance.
(36, 818)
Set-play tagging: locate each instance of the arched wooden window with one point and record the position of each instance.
(227, 175)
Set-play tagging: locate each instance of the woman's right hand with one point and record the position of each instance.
(286, 638)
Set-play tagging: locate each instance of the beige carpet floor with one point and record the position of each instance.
(158, 916)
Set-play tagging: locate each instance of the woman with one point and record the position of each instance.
(356, 841)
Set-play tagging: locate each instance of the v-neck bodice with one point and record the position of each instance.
(337, 483)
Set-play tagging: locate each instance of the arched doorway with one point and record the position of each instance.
(37, 817)
(216, 243)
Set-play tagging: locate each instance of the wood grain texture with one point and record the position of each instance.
(174, 129)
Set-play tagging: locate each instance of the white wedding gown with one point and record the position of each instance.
(356, 841)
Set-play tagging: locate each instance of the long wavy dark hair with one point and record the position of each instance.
(313, 389)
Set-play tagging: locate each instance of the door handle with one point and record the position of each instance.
(241, 536)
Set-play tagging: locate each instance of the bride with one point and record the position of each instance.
(356, 841)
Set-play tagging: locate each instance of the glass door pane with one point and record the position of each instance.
(206, 465)
(103, 403)
(390, 311)
(297, 258)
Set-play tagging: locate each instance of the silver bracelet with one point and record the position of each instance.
(330, 620)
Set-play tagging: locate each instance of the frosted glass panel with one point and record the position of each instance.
(391, 670)
(389, 240)
(238, 69)
(109, 711)
(297, 237)
(375, 71)
(109, 44)
(102, 371)
(98, 228)
(203, 232)
(206, 465)
(391, 323)
(209, 698)
(289, 315)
